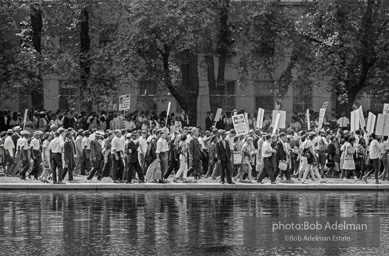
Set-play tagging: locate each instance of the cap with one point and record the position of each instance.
(80, 131)
(9, 131)
(128, 135)
(38, 133)
(24, 132)
(53, 126)
(17, 128)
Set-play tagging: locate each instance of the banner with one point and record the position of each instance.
(240, 126)
(277, 122)
(321, 117)
(261, 114)
(361, 118)
(382, 127)
(308, 120)
(386, 108)
(218, 114)
(124, 102)
(354, 126)
(371, 123)
(282, 121)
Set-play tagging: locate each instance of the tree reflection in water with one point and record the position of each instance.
(166, 222)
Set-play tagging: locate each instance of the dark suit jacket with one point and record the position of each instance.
(208, 123)
(96, 151)
(133, 156)
(281, 154)
(223, 153)
(194, 149)
(68, 151)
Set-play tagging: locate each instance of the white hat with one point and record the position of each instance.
(24, 132)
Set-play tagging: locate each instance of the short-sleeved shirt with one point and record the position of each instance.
(9, 145)
(56, 145)
(85, 143)
(35, 144)
(162, 146)
(117, 144)
(266, 147)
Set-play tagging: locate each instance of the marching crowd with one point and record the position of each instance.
(148, 147)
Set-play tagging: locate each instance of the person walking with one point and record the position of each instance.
(223, 154)
(374, 155)
(133, 160)
(267, 152)
(96, 157)
(36, 154)
(117, 148)
(182, 150)
(57, 156)
(69, 153)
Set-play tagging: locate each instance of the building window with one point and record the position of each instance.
(264, 97)
(67, 94)
(147, 98)
(302, 98)
(224, 96)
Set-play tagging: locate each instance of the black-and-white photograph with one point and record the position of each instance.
(194, 127)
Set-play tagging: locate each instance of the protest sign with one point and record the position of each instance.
(218, 114)
(25, 118)
(240, 126)
(370, 123)
(321, 117)
(386, 108)
(282, 121)
(124, 102)
(354, 126)
(361, 118)
(261, 114)
(382, 127)
(308, 120)
(277, 122)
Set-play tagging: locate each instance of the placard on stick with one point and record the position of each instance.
(371, 123)
(308, 120)
(354, 121)
(277, 122)
(361, 118)
(382, 127)
(218, 114)
(282, 121)
(240, 126)
(124, 102)
(386, 108)
(321, 117)
(261, 114)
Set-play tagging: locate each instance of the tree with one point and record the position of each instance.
(160, 41)
(348, 42)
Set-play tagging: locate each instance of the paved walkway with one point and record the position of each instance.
(81, 183)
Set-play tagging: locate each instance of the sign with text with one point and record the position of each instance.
(277, 122)
(371, 123)
(386, 108)
(218, 114)
(240, 126)
(321, 117)
(354, 126)
(261, 114)
(308, 120)
(305, 232)
(382, 127)
(282, 121)
(124, 102)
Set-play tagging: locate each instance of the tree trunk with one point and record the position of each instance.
(209, 61)
(37, 99)
(85, 90)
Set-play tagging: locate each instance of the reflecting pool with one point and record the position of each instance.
(169, 222)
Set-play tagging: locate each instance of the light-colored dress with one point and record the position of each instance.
(348, 155)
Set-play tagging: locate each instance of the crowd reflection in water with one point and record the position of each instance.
(101, 223)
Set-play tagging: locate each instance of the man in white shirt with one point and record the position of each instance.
(374, 154)
(57, 159)
(36, 154)
(267, 152)
(117, 151)
(24, 152)
(142, 148)
(86, 163)
(343, 122)
(9, 147)
(162, 151)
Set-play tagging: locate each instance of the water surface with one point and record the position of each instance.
(169, 222)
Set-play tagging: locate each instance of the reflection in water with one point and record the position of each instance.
(167, 223)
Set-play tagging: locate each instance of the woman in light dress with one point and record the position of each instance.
(183, 151)
(348, 157)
